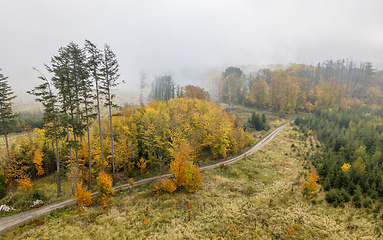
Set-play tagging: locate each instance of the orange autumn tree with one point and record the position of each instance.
(83, 197)
(186, 174)
(310, 186)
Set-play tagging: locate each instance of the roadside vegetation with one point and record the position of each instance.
(260, 196)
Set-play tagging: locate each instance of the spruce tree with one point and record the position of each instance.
(94, 65)
(45, 95)
(7, 117)
(143, 77)
(109, 79)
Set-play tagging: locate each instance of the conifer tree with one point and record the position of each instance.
(45, 95)
(7, 116)
(60, 69)
(143, 84)
(109, 79)
(94, 65)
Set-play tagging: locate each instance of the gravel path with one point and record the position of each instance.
(10, 222)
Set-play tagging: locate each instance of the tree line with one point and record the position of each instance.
(303, 88)
(145, 139)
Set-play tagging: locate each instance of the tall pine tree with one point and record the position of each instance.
(45, 95)
(109, 79)
(7, 116)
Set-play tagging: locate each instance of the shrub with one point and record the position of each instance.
(104, 183)
(157, 186)
(24, 183)
(367, 203)
(310, 186)
(356, 201)
(131, 182)
(169, 186)
(333, 196)
(345, 195)
(193, 178)
(142, 165)
(83, 197)
(380, 189)
(3, 191)
(186, 174)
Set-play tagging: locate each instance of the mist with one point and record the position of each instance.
(187, 39)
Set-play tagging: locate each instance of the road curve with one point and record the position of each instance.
(10, 222)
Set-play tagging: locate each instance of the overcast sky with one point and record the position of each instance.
(187, 37)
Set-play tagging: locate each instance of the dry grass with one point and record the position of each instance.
(256, 198)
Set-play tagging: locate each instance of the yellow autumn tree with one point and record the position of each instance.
(310, 186)
(359, 165)
(83, 197)
(38, 161)
(346, 167)
(104, 183)
(24, 182)
(186, 174)
(179, 164)
(142, 165)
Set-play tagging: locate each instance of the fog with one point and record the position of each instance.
(187, 39)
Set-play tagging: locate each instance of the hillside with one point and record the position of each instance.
(256, 197)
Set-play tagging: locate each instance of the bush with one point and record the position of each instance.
(169, 186)
(334, 196)
(310, 186)
(36, 194)
(24, 183)
(104, 183)
(345, 195)
(83, 197)
(157, 186)
(356, 200)
(186, 174)
(380, 189)
(3, 187)
(194, 178)
(367, 203)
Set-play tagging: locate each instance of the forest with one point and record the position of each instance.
(350, 161)
(303, 88)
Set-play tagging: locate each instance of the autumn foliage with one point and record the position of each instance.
(169, 186)
(83, 196)
(186, 173)
(24, 183)
(145, 138)
(38, 161)
(310, 186)
(104, 183)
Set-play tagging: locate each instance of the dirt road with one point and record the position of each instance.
(10, 222)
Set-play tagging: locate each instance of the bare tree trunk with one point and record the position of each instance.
(111, 137)
(57, 161)
(70, 155)
(89, 156)
(99, 126)
(6, 140)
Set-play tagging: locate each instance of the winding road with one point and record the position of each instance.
(10, 222)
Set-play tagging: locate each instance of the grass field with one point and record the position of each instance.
(256, 198)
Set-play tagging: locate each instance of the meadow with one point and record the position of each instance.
(257, 197)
